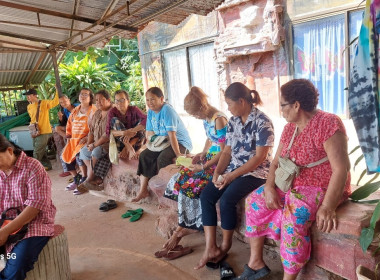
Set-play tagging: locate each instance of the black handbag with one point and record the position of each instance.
(18, 234)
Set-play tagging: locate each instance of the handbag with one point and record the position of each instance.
(18, 234)
(287, 170)
(158, 143)
(113, 152)
(33, 127)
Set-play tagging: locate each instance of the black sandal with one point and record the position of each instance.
(108, 205)
(226, 271)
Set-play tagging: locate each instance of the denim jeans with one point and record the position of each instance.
(22, 258)
(229, 197)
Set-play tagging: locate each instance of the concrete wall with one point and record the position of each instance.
(250, 47)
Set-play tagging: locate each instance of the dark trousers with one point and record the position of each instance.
(229, 198)
(22, 258)
(151, 162)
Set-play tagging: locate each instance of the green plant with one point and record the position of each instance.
(371, 186)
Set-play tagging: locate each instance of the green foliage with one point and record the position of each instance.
(367, 234)
(7, 100)
(121, 58)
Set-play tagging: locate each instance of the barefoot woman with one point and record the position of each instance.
(162, 120)
(186, 186)
(243, 166)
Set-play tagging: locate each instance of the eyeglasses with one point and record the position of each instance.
(283, 105)
(121, 100)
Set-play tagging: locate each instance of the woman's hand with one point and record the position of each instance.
(227, 179)
(326, 219)
(196, 168)
(129, 133)
(117, 133)
(272, 200)
(60, 115)
(198, 157)
(91, 146)
(83, 140)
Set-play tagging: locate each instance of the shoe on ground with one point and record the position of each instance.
(72, 186)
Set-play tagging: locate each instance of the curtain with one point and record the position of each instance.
(176, 78)
(203, 71)
(318, 56)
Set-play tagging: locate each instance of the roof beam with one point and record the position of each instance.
(34, 39)
(61, 15)
(110, 7)
(23, 70)
(41, 25)
(98, 22)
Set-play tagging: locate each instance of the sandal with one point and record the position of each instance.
(108, 205)
(136, 216)
(216, 265)
(177, 252)
(251, 274)
(226, 271)
(130, 213)
(163, 252)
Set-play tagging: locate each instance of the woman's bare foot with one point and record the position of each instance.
(173, 240)
(140, 196)
(209, 255)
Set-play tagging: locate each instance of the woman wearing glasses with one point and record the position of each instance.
(127, 125)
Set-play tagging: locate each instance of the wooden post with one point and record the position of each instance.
(56, 72)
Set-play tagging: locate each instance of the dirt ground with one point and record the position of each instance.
(102, 245)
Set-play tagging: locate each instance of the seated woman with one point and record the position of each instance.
(162, 120)
(187, 185)
(77, 129)
(97, 142)
(315, 193)
(243, 166)
(127, 124)
(25, 185)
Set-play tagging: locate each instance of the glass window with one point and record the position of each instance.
(355, 22)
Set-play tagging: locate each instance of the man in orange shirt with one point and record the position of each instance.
(40, 142)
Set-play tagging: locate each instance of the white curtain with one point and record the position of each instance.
(176, 78)
(319, 57)
(203, 71)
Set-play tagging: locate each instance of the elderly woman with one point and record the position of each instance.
(25, 185)
(187, 185)
(77, 129)
(97, 142)
(162, 121)
(315, 193)
(243, 166)
(127, 124)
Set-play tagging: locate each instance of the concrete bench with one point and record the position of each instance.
(122, 181)
(53, 261)
(334, 255)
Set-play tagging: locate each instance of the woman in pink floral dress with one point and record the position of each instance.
(315, 193)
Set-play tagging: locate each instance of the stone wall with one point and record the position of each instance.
(249, 48)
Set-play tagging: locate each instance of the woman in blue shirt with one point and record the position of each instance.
(243, 166)
(162, 120)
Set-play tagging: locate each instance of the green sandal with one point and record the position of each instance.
(131, 213)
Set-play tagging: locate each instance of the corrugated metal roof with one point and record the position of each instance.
(45, 25)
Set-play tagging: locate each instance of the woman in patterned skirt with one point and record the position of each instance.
(186, 185)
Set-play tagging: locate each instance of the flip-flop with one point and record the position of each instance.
(163, 252)
(216, 265)
(176, 253)
(226, 271)
(130, 213)
(136, 216)
(108, 205)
